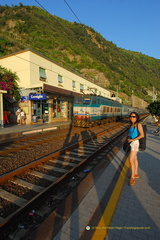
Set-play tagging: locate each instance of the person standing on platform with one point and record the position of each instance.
(5, 116)
(18, 114)
(158, 124)
(135, 133)
(22, 117)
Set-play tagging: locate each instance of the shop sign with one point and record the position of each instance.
(34, 97)
(24, 98)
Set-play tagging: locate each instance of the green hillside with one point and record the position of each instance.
(80, 49)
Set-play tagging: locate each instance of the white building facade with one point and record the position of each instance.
(47, 89)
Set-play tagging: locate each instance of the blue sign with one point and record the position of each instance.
(24, 98)
(35, 97)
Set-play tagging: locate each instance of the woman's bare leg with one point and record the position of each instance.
(133, 163)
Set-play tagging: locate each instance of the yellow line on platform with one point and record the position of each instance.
(102, 228)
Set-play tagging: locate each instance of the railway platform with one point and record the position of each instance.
(16, 131)
(105, 207)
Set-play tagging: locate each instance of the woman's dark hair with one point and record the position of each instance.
(137, 116)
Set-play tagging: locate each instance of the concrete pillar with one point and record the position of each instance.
(29, 121)
(66, 110)
(50, 110)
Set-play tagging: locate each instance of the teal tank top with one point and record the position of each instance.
(133, 132)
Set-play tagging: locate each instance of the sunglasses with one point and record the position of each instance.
(132, 116)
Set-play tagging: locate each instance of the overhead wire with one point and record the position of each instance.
(61, 23)
(67, 31)
(73, 11)
(52, 16)
(75, 15)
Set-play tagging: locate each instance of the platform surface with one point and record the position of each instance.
(11, 131)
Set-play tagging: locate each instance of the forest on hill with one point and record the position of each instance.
(80, 49)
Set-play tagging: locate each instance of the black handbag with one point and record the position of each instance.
(126, 145)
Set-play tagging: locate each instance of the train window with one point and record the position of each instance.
(86, 101)
(98, 101)
(107, 109)
(78, 100)
(82, 101)
(104, 109)
(94, 101)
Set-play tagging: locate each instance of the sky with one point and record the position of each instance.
(130, 24)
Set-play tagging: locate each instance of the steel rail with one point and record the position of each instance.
(28, 145)
(57, 153)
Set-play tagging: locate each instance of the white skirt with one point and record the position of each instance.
(135, 145)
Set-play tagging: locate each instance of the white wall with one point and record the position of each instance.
(20, 64)
(26, 64)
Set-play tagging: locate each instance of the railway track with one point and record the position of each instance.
(25, 187)
(19, 152)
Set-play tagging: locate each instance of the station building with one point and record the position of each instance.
(47, 89)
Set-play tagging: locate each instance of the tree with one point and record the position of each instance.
(9, 83)
(154, 108)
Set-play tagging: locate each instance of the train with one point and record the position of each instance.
(92, 110)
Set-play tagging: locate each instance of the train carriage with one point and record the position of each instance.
(91, 110)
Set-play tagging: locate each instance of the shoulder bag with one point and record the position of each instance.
(126, 145)
(142, 141)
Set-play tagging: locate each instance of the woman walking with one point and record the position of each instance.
(135, 133)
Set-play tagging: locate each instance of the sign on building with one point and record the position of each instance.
(35, 97)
